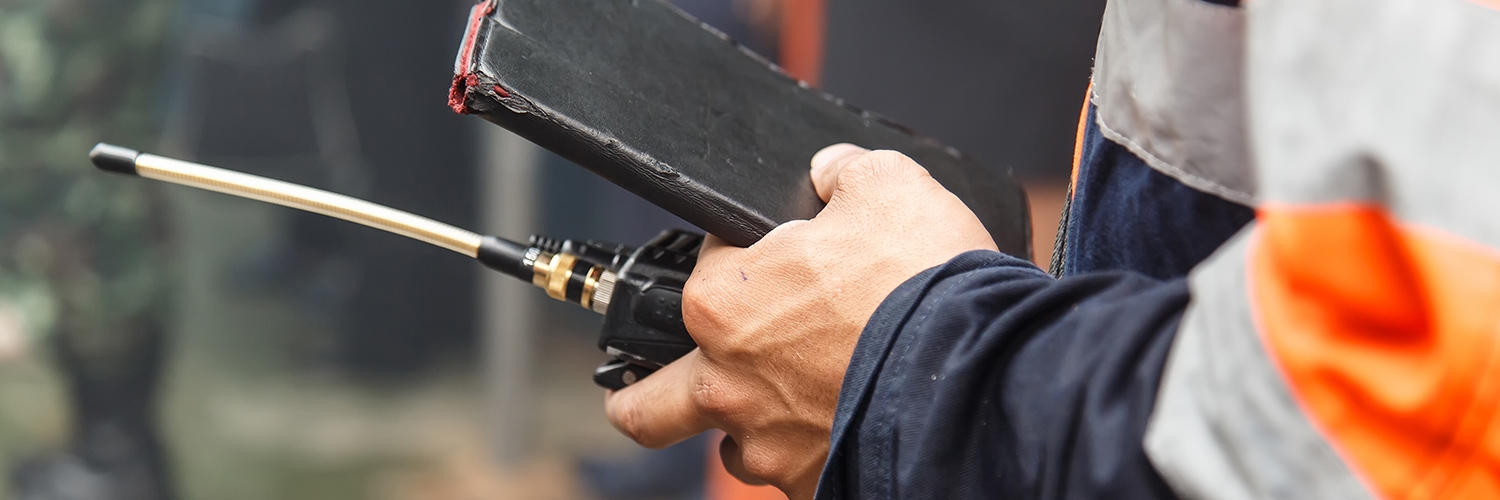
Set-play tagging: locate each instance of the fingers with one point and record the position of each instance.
(658, 411)
(827, 164)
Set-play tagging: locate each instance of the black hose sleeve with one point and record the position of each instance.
(505, 256)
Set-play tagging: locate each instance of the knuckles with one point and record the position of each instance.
(711, 400)
(877, 169)
(700, 312)
(719, 296)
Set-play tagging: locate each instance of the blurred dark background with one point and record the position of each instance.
(1000, 80)
(158, 342)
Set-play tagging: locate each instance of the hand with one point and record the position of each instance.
(776, 323)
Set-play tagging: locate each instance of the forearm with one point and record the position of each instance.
(985, 377)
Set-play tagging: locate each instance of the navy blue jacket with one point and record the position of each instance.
(988, 378)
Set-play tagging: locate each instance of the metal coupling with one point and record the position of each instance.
(602, 291)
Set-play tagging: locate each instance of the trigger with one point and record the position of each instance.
(617, 374)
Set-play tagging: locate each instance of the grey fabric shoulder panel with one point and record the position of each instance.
(1225, 425)
(1391, 102)
(1168, 83)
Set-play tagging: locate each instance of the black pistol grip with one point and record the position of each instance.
(644, 327)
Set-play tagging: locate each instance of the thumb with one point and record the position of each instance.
(863, 177)
(828, 163)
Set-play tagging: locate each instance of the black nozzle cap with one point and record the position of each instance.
(112, 158)
(505, 256)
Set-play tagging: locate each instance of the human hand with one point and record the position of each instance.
(776, 323)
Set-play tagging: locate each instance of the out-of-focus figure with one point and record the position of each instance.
(83, 268)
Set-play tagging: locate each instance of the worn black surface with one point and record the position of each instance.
(647, 98)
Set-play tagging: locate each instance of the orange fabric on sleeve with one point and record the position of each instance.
(1083, 127)
(1493, 4)
(1389, 336)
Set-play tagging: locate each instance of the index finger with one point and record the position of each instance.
(658, 411)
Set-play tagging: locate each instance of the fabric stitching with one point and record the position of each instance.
(866, 395)
(897, 362)
(1163, 166)
(898, 371)
(1188, 179)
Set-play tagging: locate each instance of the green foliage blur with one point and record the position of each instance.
(79, 250)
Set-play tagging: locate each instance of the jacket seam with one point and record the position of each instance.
(1170, 170)
(1101, 68)
(898, 373)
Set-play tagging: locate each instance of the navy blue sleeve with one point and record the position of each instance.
(986, 378)
(1124, 215)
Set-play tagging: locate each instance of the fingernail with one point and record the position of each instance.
(830, 153)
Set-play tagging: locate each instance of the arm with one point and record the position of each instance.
(986, 378)
(777, 325)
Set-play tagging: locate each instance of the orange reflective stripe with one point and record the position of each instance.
(1083, 122)
(1389, 335)
(1493, 4)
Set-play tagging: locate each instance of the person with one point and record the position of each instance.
(1279, 279)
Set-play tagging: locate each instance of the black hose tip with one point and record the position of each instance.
(112, 158)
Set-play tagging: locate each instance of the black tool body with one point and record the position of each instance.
(643, 329)
(642, 301)
(650, 99)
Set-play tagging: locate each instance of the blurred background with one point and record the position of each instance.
(162, 343)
